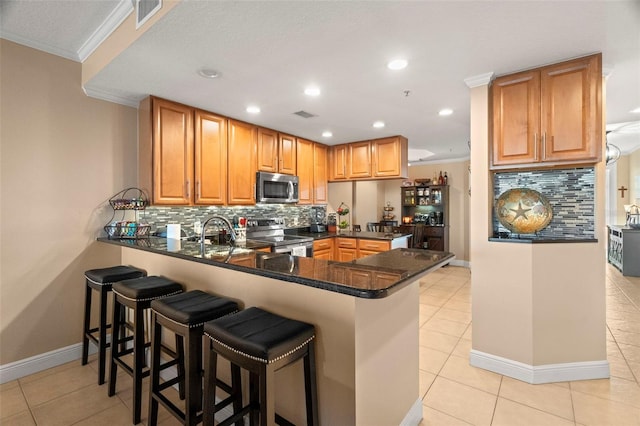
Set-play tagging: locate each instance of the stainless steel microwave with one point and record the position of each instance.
(276, 188)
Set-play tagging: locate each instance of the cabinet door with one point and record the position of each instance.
(287, 154)
(305, 171)
(347, 254)
(241, 163)
(323, 254)
(320, 194)
(210, 159)
(389, 157)
(571, 112)
(267, 150)
(338, 162)
(516, 118)
(172, 153)
(359, 160)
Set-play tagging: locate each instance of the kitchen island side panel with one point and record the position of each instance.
(341, 327)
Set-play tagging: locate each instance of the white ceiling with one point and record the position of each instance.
(266, 53)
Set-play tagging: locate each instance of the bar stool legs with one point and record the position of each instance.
(101, 281)
(262, 343)
(183, 314)
(136, 295)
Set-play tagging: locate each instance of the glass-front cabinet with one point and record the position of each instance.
(425, 208)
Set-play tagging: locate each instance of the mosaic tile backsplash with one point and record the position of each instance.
(159, 217)
(571, 193)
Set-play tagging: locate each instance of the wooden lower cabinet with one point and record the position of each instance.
(369, 247)
(346, 249)
(361, 277)
(435, 238)
(323, 249)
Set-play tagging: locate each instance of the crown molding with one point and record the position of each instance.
(478, 80)
(64, 53)
(111, 97)
(113, 21)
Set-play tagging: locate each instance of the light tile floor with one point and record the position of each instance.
(454, 393)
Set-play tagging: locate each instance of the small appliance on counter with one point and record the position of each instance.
(318, 222)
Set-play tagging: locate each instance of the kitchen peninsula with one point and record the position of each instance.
(365, 312)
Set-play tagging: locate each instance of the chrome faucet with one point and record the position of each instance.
(221, 219)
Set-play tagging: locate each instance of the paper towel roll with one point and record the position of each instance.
(173, 231)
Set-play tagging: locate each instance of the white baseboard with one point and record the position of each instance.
(37, 363)
(414, 416)
(463, 263)
(537, 374)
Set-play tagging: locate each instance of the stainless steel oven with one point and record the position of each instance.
(271, 230)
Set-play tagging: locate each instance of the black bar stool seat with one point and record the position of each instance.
(101, 280)
(137, 295)
(185, 314)
(262, 343)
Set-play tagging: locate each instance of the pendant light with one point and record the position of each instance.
(612, 151)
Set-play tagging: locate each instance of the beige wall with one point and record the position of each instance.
(62, 156)
(458, 174)
(634, 177)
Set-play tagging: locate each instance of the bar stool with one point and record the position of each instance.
(185, 314)
(137, 295)
(101, 281)
(262, 343)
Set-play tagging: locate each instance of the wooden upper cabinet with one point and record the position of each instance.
(312, 172)
(172, 153)
(571, 104)
(267, 150)
(516, 118)
(338, 162)
(320, 187)
(276, 152)
(359, 160)
(548, 116)
(390, 157)
(287, 154)
(210, 159)
(385, 158)
(305, 172)
(242, 141)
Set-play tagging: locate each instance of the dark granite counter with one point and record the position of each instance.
(371, 277)
(541, 240)
(364, 234)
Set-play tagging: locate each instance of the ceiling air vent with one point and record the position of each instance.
(304, 114)
(145, 9)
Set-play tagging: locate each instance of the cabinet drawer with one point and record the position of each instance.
(373, 245)
(347, 243)
(325, 244)
(434, 231)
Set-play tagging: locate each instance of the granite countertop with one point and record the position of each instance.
(371, 277)
(364, 234)
(530, 239)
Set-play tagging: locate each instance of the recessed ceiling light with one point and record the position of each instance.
(312, 91)
(397, 64)
(327, 134)
(208, 73)
(445, 111)
(378, 124)
(252, 109)
(636, 111)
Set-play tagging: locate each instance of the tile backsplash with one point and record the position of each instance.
(571, 193)
(186, 216)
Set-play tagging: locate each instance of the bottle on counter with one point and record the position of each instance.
(440, 179)
(446, 179)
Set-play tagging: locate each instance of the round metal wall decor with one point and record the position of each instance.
(523, 210)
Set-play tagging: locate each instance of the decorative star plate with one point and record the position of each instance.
(523, 210)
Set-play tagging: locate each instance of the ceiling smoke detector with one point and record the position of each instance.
(304, 114)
